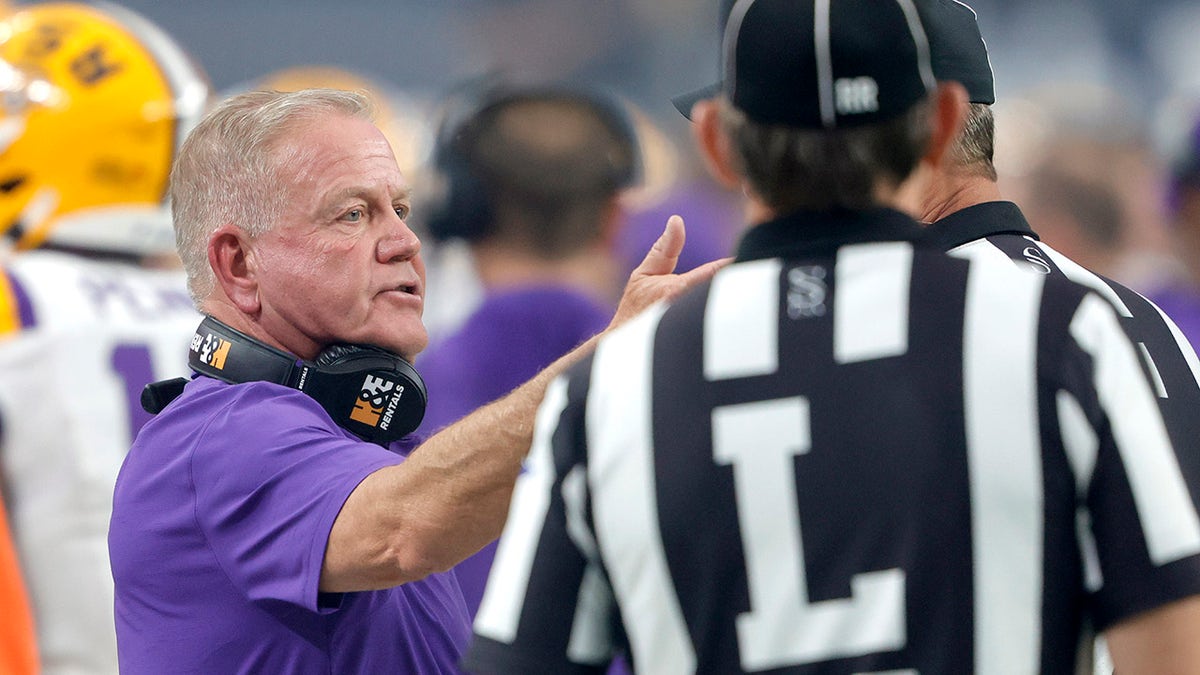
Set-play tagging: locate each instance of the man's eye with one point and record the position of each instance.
(354, 215)
(403, 212)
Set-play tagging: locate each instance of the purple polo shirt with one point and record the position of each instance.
(221, 515)
(509, 338)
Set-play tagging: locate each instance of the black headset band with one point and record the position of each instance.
(368, 391)
(229, 355)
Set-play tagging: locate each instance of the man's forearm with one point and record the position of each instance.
(1162, 641)
(450, 497)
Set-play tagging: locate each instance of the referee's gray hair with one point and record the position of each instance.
(975, 147)
(818, 169)
(231, 165)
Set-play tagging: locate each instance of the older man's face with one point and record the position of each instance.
(341, 265)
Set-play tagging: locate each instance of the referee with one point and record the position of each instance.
(970, 218)
(849, 453)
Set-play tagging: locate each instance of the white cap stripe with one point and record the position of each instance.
(922, 42)
(733, 28)
(824, 63)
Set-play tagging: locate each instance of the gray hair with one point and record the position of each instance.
(229, 168)
(975, 147)
(816, 169)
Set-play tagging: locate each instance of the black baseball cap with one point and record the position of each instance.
(956, 47)
(815, 64)
(793, 63)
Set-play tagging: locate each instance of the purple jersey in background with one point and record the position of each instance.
(711, 216)
(1182, 304)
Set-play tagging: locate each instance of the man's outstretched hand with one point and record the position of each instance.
(654, 278)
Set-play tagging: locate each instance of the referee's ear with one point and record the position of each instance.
(949, 113)
(713, 143)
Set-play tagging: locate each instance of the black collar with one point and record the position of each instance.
(820, 233)
(977, 222)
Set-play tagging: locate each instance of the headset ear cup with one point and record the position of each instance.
(461, 211)
(371, 392)
(368, 391)
(619, 119)
(461, 207)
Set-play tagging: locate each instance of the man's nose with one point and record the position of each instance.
(401, 243)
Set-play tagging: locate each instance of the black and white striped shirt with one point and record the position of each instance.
(848, 453)
(996, 229)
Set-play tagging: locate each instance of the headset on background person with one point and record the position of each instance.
(458, 205)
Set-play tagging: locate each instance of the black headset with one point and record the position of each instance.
(368, 391)
(460, 209)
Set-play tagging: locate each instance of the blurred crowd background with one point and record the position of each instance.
(649, 48)
(1096, 113)
(1096, 98)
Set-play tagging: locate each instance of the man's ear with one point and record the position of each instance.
(713, 143)
(231, 257)
(951, 104)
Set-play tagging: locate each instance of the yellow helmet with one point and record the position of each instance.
(96, 100)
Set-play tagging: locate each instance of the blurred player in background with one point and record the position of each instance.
(93, 304)
(531, 179)
(18, 641)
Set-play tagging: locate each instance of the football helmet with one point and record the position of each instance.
(96, 100)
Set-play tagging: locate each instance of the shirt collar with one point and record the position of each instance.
(976, 222)
(817, 233)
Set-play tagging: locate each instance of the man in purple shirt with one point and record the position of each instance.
(254, 527)
(534, 178)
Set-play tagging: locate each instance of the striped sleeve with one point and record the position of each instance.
(562, 559)
(1133, 442)
(1142, 547)
(546, 603)
(1165, 354)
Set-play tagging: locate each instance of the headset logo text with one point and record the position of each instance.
(212, 349)
(376, 402)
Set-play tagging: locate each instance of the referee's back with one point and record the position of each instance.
(937, 465)
(873, 459)
(876, 459)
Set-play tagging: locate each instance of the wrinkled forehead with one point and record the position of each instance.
(339, 159)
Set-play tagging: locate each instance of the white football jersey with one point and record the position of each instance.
(79, 339)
